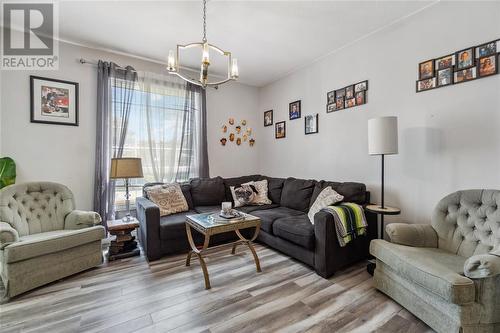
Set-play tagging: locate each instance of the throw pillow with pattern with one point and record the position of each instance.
(169, 198)
(326, 198)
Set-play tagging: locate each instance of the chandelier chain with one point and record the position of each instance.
(204, 20)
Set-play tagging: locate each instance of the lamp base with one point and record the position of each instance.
(127, 218)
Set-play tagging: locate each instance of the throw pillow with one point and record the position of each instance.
(326, 198)
(260, 197)
(169, 198)
(243, 195)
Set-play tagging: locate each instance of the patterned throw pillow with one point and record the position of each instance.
(251, 193)
(326, 198)
(168, 197)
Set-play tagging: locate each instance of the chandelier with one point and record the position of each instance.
(173, 63)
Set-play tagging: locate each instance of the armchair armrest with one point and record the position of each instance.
(416, 235)
(79, 219)
(148, 214)
(482, 266)
(8, 235)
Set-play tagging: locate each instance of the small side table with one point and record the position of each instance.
(124, 245)
(376, 209)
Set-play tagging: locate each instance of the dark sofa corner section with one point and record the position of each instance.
(284, 223)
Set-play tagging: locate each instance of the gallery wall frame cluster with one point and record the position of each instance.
(475, 62)
(347, 97)
(294, 113)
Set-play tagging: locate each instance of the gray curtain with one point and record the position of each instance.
(115, 90)
(193, 155)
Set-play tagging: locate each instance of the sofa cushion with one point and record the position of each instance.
(174, 226)
(275, 187)
(43, 243)
(207, 191)
(433, 269)
(237, 181)
(207, 209)
(352, 192)
(250, 209)
(185, 187)
(296, 229)
(268, 216)
(297, 193)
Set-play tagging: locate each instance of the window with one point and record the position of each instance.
(161, 132)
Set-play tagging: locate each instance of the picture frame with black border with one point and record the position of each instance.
(361, 86)
(425, 84)
(339, 93)
(280, 130)
(444, 62)
(488, 49)
(54, 101)
(460, 62)
(465, 75)
(330, 97)
(424, 72)
(444, 77)
(349, 91)
(311, 124)
(268, 120)
(294, 110)
(331, 108)
(487, 66)
(350, 103)
(360, 97)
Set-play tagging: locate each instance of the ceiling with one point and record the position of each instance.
(269, 38)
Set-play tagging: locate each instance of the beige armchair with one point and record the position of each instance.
(447, 273)
(43, 238)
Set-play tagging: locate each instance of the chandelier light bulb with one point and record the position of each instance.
(171, 61)
(234, 69)
(205, 58)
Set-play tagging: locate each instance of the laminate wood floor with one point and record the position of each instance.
(131, 295)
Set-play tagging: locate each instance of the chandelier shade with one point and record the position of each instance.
(174, 60)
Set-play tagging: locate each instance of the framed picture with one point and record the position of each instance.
(426, 69)
(53, 101)
(465, 75)
(330, 97)
(294, 110)
(280, 130)
(445, 62)
(350, 102)
(311, 124)
(487, 65)
(444, 77)
(339, 93)
(268, 118)
(339, 103)
(349, 92)
(465, 58)
(426, 84)
(361, 86)
(360, 97)
(486, 49)
(331, 108)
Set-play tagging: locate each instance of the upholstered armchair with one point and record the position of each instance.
(447, 273)
(43, 238)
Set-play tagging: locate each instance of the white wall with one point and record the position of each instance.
(65, 154)
(449, 137)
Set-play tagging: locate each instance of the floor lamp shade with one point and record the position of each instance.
(383, 136)
(126, 167)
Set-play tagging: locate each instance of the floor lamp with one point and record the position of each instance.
(383, 140)
(126, 168)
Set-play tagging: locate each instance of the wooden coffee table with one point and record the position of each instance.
(209, 224)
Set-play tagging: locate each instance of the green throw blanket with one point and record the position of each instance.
(350, 221)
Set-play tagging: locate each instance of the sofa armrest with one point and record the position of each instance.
(148, 214)
(417, 235)
(482, 266)
(79, 219)
(8, 235)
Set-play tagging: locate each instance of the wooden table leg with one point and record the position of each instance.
(249, 243)
(198, 253)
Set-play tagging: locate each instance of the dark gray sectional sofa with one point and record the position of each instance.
(285, 225)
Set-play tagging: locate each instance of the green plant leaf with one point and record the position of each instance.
(7, 171)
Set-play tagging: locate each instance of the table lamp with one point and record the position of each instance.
(126, 168)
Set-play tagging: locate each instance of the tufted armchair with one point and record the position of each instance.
(447, 273)
(43, 238)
